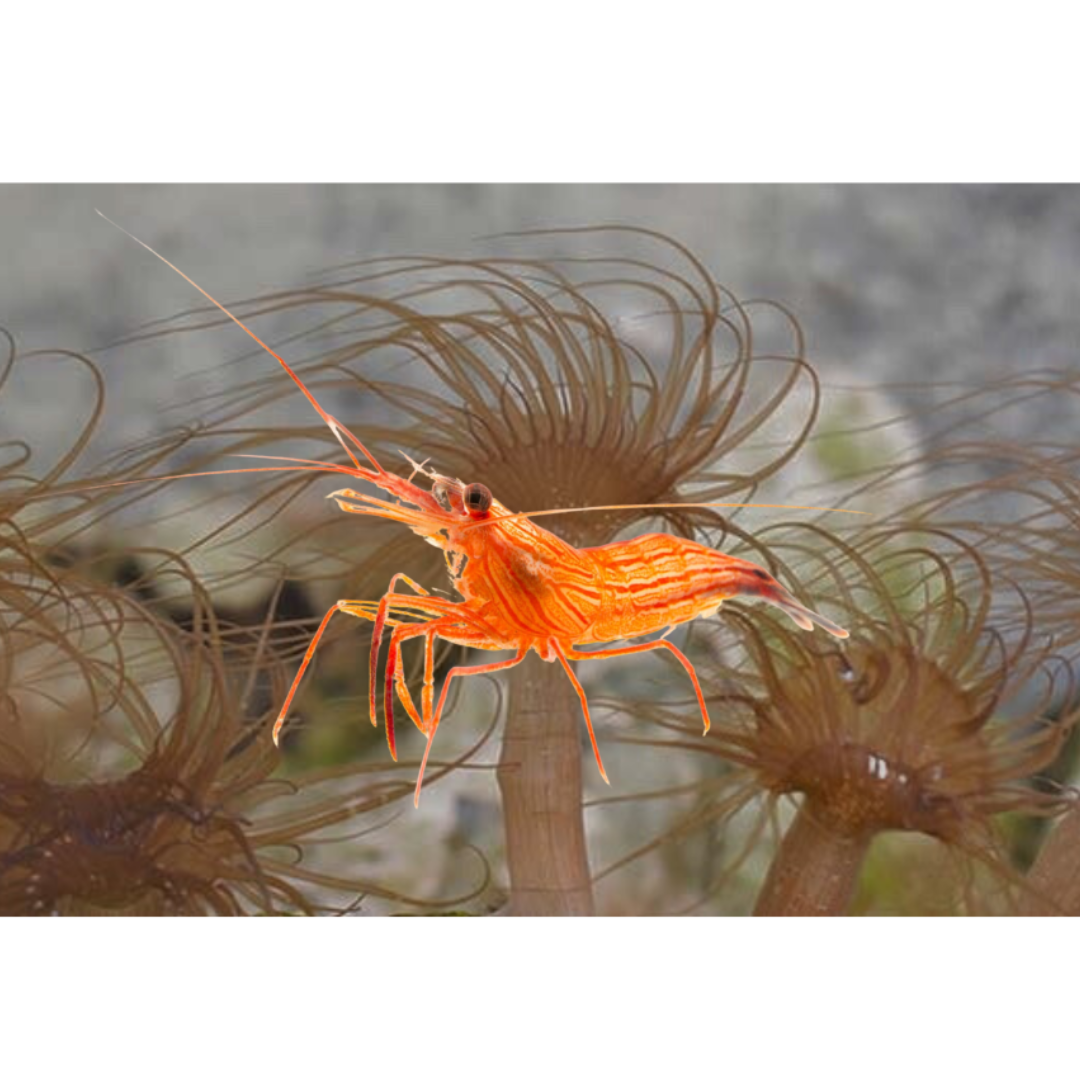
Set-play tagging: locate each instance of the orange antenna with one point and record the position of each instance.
(666, 506)
(78, 489)
(335, 426)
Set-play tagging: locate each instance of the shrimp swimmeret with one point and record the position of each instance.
(521, 586)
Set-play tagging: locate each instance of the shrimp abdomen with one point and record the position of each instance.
(656, 581)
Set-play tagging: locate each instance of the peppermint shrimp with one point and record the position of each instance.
(522, 588)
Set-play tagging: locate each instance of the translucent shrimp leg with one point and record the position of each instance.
(395, 672)
(312, 645)
(431, 632)
(584, 705)
(480, 669)
(604, 654)
(362, 609)
(376, 642)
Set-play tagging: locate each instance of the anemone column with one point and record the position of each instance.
(815, 871)
(539, 777)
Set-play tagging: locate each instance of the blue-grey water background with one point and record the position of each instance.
(892, 284)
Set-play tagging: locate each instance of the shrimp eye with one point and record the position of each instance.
(477, 500)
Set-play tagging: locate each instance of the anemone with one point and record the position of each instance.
(559, 381)
(137, 775)
(923, 722)
(136, 769)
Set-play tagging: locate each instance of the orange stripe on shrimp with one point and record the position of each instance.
(522, 587)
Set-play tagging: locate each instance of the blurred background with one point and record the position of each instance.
(894, 285)
(904, 294)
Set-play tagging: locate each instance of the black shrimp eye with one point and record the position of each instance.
(477, 500)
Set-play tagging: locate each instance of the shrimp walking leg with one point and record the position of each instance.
(303, 667)
(395, 675)
(480, 669)
(428, 697)
(430, 632)
(377, 633)
(604, 654)
(449, 616)
(580, 691)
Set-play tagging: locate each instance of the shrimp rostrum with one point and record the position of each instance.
(522, 588)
